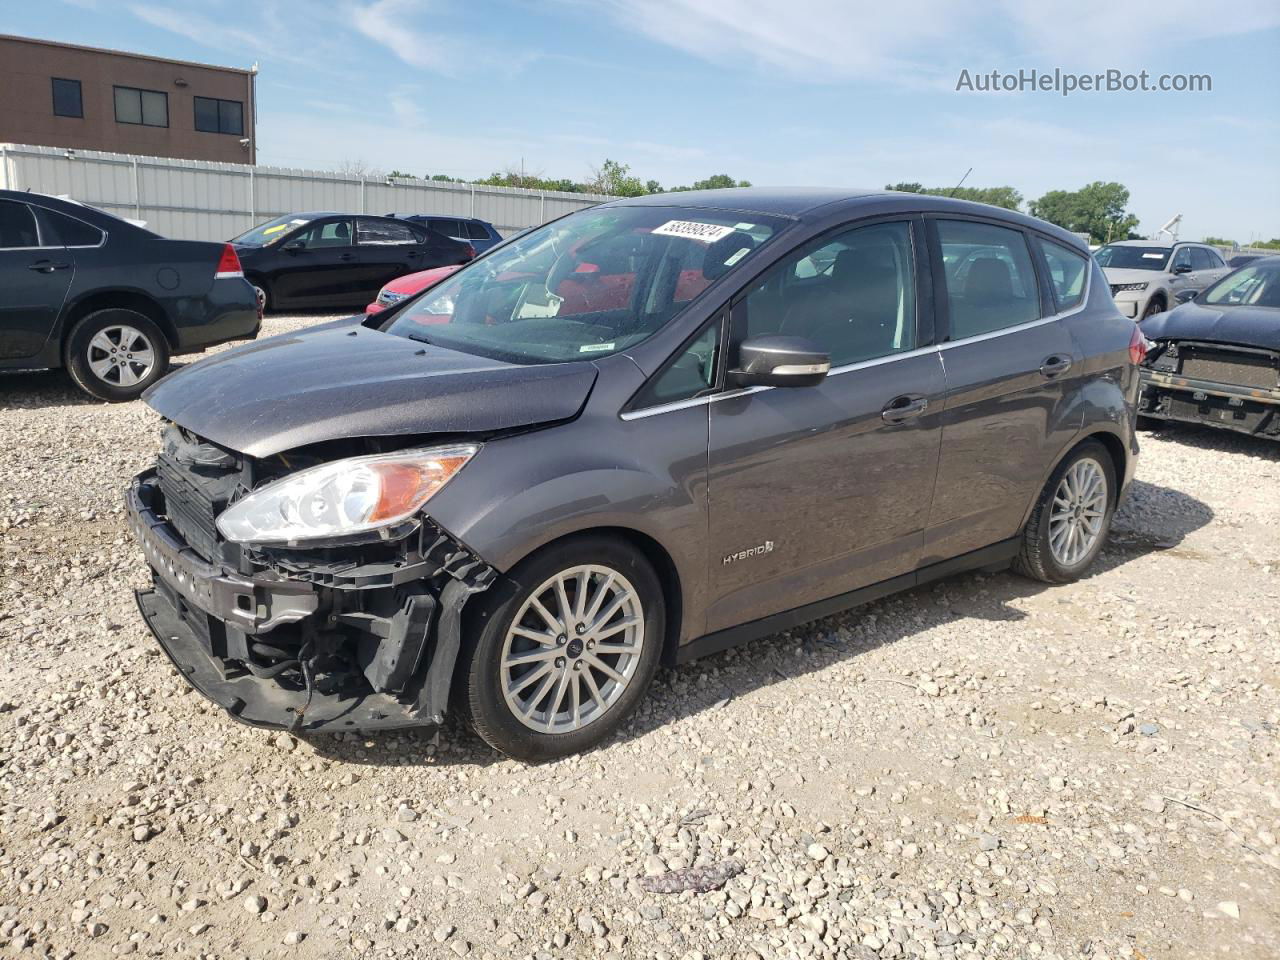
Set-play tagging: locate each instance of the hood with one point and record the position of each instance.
(1246, 326)
(413, 282)
(339, 382)
(1129, 275)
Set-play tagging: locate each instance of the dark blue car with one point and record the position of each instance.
(479, 233)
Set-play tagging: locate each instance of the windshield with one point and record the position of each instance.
(265, 234)
(1254, 286)
(1133, 258)
(586, 286)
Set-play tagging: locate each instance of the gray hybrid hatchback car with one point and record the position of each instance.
(637, 435)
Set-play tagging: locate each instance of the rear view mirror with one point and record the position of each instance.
(777, 361)
(293, 246)
(1185, 296)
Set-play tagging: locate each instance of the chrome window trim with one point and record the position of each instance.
(875, 361)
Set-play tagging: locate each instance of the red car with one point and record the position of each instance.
(406, 286)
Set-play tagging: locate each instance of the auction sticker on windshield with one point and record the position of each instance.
(706, 232)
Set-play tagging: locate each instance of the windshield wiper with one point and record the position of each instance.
(419, 339)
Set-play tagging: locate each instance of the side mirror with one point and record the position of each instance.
(1185, 296)
(1182, 268)
(293, 246)
(777, 361)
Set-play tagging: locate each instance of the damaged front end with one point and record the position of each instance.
(335, 637)
(1229, 386)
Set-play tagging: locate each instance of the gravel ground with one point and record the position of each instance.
(985, 767)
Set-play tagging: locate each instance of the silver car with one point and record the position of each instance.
(1150, 276)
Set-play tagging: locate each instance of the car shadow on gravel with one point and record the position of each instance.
(1153, 518)
(44, 388)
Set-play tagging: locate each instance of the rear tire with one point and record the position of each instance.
(1072, 517)
(263, 294)
(115, 354)
(536, 688)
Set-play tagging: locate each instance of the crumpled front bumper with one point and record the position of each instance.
(207, 619)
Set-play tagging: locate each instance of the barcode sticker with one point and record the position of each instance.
(693, 230)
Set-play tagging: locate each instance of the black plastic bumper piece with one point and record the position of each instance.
(265, 704)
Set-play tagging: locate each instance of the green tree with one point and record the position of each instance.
(614, 178)
(1098, 209)
(1219, 242)
(1006, 197)
(717, 181)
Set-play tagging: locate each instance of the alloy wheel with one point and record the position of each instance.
(121, 355)
(572, 649)
(1078, 511)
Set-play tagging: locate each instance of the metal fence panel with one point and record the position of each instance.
(198, 200)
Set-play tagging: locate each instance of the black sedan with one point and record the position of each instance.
(107, 299)
(338, 259)
(1215, 360)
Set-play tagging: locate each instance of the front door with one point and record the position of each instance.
(34, 281)
(817, 491)
(318, 265)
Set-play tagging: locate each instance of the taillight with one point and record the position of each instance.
(228, 264)
(471, 252)
(1137, 347)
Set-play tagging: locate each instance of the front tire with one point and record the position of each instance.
(1154, 305)
(261, 293)
(115, 354)
(1071, 518)
(564, 648)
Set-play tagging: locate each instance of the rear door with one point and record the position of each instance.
(388, 249)
(35, 274)
(1006, 360)
(817, 491)
(318, 265)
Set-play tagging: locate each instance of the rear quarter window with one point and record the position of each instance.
(1067, 273)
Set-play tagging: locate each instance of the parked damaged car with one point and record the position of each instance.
(639, 434)
(1216, 359)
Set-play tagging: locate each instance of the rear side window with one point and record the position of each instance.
(477, 232)
(1067, 272)
(383, 232)
(450, 228)
(17, 226)
(58, 228)
(1200, 259)
(990, 282)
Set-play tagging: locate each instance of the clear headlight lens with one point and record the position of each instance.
(343, 498)
(390, 296)
(1130, 286)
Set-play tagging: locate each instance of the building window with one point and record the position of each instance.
(66, 98)
(220, 116)
(147, 107)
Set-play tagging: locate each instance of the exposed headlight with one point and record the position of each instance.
(343, 498)
(1119, 287)
(389, 296)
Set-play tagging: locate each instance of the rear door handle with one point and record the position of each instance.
(48, 266)
(1055, 366)
(347, 256)
(903, 408)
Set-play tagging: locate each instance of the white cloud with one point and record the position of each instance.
(390, 23)
(922, 43)
(203, 30)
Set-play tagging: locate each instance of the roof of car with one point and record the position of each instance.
(801, 202)
(1163, 244)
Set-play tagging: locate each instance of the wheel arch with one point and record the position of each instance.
(118, 299)
(1114, 446)
(663, 565)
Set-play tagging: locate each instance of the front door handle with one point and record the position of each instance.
(48, 266)
(347, 256)
(903, 408)
(1055, 366)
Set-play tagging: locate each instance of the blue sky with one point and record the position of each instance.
(783, 92)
